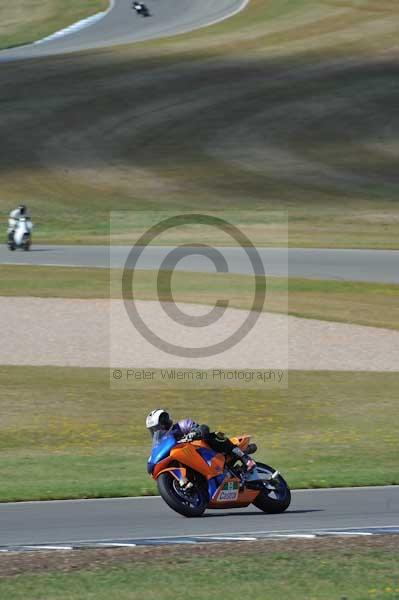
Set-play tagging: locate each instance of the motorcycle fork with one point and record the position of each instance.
(237, 473)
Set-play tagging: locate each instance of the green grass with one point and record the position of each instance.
(308, 574)
(344, 301)
(25, 21)
(64, 433)
(291, 104)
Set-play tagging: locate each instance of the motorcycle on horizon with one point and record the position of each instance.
(192, 477)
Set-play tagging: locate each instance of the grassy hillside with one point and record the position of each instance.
(292, 104)
(24, 21)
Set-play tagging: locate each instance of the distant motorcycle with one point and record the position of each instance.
(141, 9)
(21, 237)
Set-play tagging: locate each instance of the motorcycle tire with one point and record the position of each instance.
(167, 489)
(26, 242)
(265, 502)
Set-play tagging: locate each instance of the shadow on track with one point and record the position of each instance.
(258, 514)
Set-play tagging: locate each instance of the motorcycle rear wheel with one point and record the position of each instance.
(273, 501)
(178, 500)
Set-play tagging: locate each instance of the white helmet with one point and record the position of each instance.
(158, 419)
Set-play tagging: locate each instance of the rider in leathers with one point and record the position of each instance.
(15, 215)
(159, 419)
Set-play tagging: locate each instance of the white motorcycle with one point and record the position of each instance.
(21, 237)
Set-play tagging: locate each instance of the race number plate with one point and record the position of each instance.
(229, 492)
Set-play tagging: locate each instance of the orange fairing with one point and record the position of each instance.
(160, 467)
(179, 473)
(241, 441)
(195, 455)
(198, 456)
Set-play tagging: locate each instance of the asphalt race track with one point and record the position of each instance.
(134, 520)
(130, 521)
(121, 25)
(380, 266)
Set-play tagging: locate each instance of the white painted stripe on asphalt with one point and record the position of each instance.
(117, 545)
(229, 539)
(309, 536)
(174, 542)
(82, 24)
(293, 531)
(181, 540)
(242, 7)
(344, 488)
(72, 28)
(349, 533)
(258, 533)
(55, 547)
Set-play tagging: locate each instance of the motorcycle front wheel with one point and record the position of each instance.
(190, 503)
(276, 497)
(26, 243)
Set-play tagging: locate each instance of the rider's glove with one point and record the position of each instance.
(193, 435)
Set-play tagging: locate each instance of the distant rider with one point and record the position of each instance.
(160, 420)
(15, 215)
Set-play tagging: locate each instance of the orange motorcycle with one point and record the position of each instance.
(192, 477)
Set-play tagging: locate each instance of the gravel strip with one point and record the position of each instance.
(98, 333)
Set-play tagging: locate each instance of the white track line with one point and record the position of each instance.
(116, 545)
(53, 547)
(228, 538)
(349, 533)
(258, 534)
(85, 23)
(306, 536)
(78, 26)
(242, 7)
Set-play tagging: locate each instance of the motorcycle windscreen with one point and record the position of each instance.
(162, 444)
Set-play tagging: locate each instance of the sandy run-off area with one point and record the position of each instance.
(98, 333)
